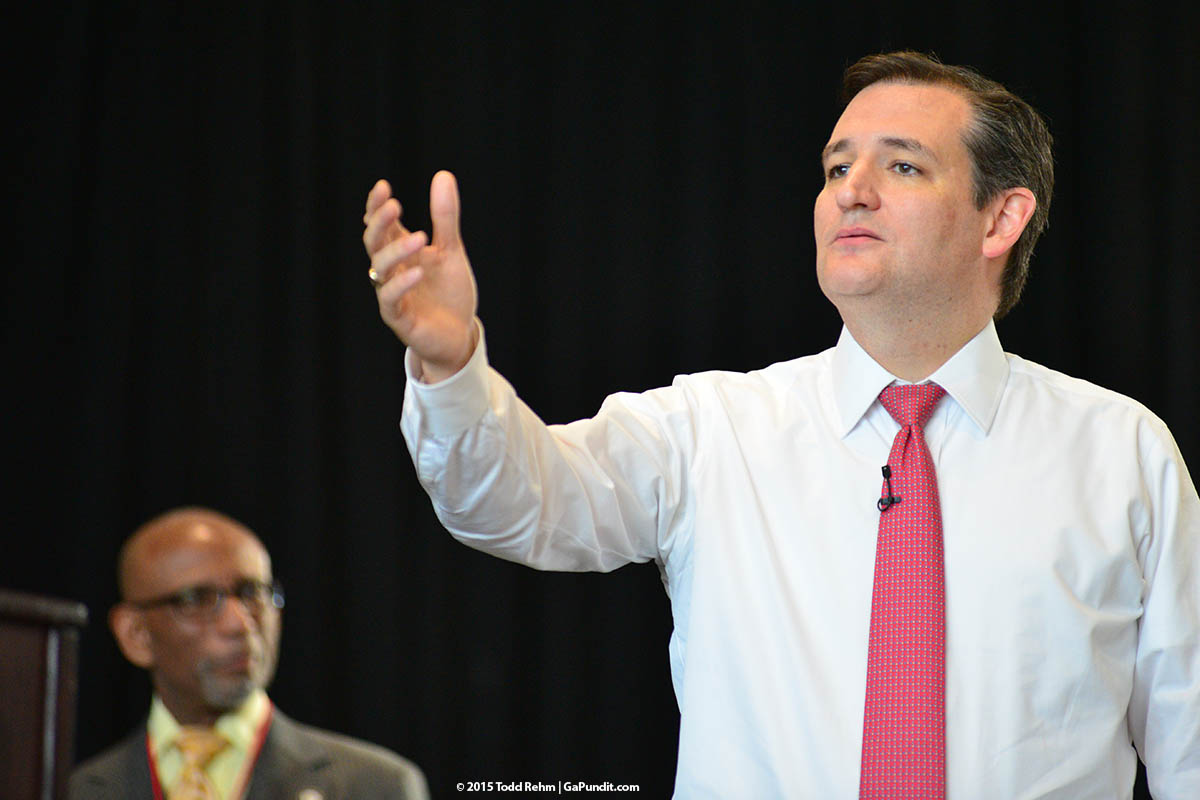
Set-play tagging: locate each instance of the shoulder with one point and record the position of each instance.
(349, 750)
(116, 772)
(786, 395)
(696, 405)
(780, 376)
(1090, 425)
(777, 383)
(361, 768)
(1075, 398)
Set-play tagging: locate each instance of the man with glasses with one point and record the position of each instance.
(201, 612)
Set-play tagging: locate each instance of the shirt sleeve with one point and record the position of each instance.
(592, 495)
(1164, 710)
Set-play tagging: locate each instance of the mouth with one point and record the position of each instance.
(239, 663)
(856, 235)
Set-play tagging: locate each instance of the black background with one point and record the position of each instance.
(187, 318)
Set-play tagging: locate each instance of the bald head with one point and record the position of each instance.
(152, 552)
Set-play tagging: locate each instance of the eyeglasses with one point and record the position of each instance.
(206, 602)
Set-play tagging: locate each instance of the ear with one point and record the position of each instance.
(1010, 213)
(128, 625)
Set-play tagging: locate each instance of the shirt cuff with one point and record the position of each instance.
(450, 406)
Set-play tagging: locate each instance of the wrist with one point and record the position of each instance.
(437, 371)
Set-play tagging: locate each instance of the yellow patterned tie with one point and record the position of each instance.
(199, 746)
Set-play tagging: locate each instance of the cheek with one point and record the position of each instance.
(933, 228)
(825, 214)
(964, 235)
(177, 655)
(270, 629)
(821, 209)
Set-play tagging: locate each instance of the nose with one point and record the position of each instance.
(857, 189)
(236, 615)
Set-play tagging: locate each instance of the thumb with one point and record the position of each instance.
(444, 210)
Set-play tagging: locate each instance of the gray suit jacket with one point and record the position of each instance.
(294, 758)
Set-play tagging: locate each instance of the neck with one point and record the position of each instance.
(198, 714)
(914, 351)
(199, 718)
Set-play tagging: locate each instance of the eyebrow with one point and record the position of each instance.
(893, 142)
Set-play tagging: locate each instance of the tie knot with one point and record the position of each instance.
(200, 745)
(911, 405)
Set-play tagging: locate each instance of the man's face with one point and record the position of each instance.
(896, 222)
(204, 666)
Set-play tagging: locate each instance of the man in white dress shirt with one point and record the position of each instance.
(1070, 525)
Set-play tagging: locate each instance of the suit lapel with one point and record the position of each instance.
(288, 764)
(126, 776)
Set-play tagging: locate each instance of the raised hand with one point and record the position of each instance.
(426, 290)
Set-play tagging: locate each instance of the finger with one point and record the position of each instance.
(444, 210)
(395, 288)
(385, 260)
(383, 226)
(380, 192)
(379, 195)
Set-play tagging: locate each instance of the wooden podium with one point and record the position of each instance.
(39, 681)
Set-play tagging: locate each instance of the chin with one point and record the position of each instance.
(848, 280)
(228, 690)
(225, 694)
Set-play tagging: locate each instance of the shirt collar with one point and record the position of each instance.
(239, 726)
(974, 376)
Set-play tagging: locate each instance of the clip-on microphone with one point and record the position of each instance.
(884, 503)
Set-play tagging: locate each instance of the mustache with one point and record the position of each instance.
(251, 652)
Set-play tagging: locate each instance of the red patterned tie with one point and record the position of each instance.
(904, 730)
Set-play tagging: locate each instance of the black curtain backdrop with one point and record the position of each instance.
(188, 320)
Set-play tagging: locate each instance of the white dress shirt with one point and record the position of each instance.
(1072, 560)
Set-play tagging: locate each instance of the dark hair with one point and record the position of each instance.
(1008, 142)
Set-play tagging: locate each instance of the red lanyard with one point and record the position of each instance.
(247, 768)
